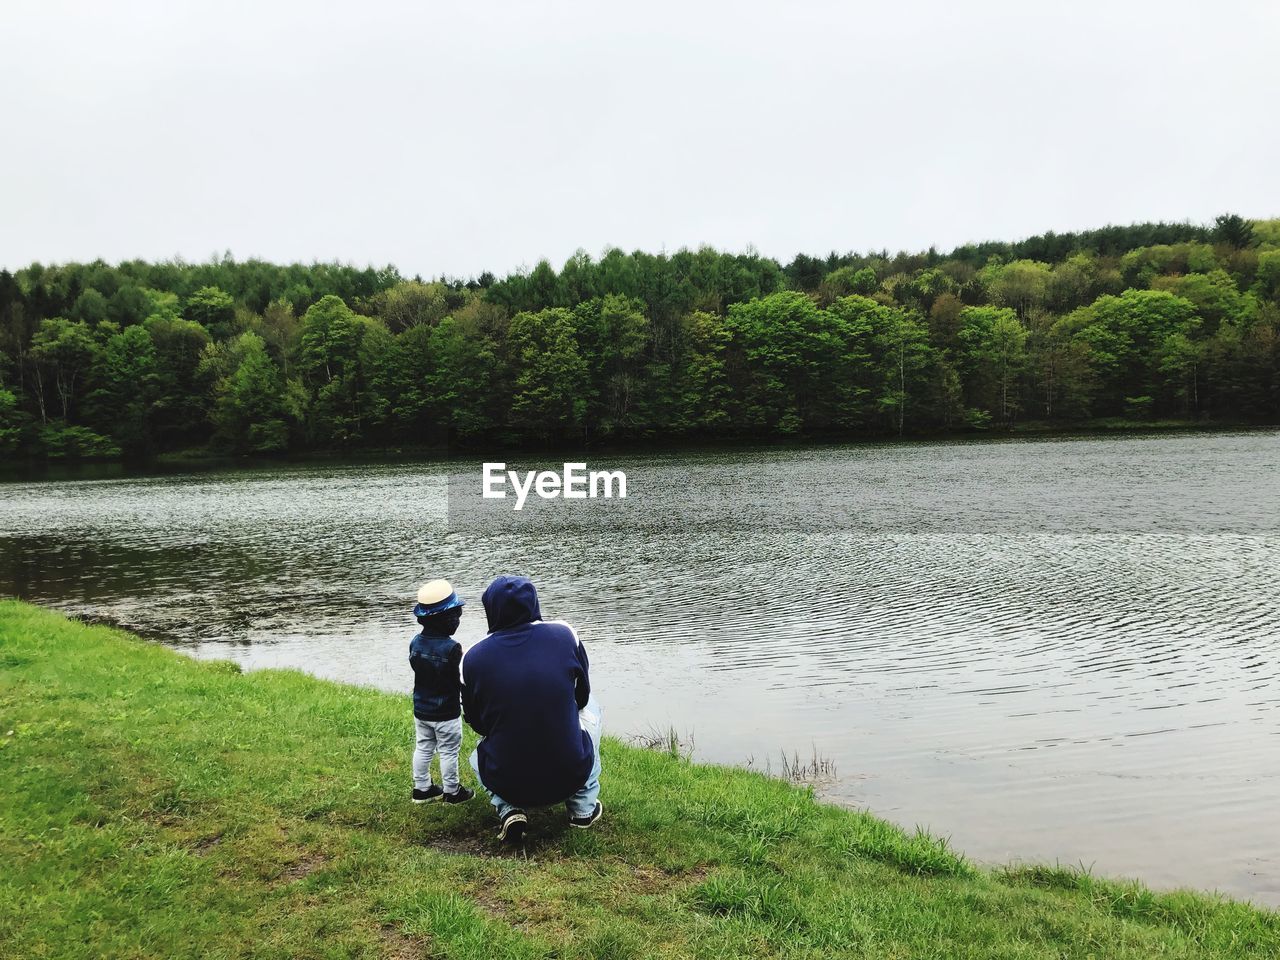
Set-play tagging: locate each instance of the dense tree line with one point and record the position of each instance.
(1150, 320)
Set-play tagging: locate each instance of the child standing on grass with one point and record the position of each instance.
(437, 713)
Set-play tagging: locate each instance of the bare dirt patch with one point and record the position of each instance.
(204, 845)
(653, 880)
(544, 840)
(401, 946)
(303, 867)
(494, 906)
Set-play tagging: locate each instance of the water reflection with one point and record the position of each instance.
(1061, 650)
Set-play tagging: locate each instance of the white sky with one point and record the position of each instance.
(487, 134)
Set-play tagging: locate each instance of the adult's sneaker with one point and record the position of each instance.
(432, 792)
(513, 827)
(583, 822)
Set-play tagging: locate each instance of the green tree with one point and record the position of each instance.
(339, 375)
(924, 289)
(280, 329)
(578, 279)
(705, 394)
(1179, 363)
(1022, 285)
(944, 322)
(63, 351)
(903, 357)
(251, 408)
(91, 307)
(1072, 283)
(1267, 276)
(994, 352)
(790, 352)
(162, 303)
(1062, 381)
(212, 308)
(856, 384)
(10, 421)
(1243, 368)
(543, 287)
(449, 380)
(847, 281)
(1215, 296)
(697, 341)
(441, 378)
(180, 408)
(125, 376)
(549, 397)
(411, 304)
(128, 305)
(614, 336)
(1233, 230)
(1123, 335)
(375, 358)
(463, 380)
(410, 366)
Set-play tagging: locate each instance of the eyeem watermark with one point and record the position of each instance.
(575, 483)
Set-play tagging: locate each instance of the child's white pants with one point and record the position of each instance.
(437, 736)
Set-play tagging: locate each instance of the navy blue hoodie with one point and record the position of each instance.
(522, 688)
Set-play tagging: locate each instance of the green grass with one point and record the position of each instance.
(155, 806)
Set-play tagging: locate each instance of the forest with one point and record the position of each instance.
(1159, 321)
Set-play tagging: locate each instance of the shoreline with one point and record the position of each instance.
(277, 788)
(814, 770)
(204, 460)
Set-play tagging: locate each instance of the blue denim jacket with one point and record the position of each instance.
(436, 687)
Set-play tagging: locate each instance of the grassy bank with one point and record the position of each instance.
(155, 806)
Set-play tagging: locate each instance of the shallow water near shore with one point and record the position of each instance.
(1053, 650)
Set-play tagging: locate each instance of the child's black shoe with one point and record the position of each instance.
(461, 795)
(433, 792)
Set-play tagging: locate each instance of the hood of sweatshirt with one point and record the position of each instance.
(510, 601)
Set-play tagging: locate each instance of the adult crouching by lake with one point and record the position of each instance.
(526, 690)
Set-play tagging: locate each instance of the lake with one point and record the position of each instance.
(1062, 650)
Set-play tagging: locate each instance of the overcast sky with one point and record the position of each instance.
(454, 138)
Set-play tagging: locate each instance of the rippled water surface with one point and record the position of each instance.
(1061, 650)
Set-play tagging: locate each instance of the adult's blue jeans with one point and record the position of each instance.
(582, 803)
